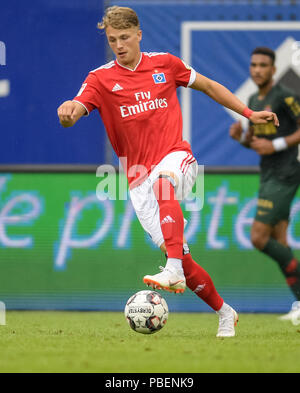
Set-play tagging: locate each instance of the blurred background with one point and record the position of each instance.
(62, 248)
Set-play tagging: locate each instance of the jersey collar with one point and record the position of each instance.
(129, 69)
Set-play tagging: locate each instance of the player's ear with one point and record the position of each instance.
(140, 35)
(274, 70)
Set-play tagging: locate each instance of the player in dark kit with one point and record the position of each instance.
(280, 166)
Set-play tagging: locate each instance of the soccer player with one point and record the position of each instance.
(280, 166)
(136, 98)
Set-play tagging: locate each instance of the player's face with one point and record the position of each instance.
(262, 70)
(125, 44)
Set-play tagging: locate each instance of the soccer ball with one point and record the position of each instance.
(146, 312)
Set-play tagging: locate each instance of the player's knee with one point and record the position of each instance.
(170, 176)
(164, 188)
(163, 248)
(259, 239)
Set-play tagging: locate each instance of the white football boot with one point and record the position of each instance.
(293, 315)
(168, 280)
(228, 319)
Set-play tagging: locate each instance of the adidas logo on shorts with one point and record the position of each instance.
(168, 220)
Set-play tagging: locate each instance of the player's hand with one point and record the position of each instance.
(236, 131)
(264, 117)
(262, 146)
(69, 113)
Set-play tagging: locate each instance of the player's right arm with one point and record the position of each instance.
(70, 112)
(87, 99)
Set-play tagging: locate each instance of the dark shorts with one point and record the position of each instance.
(274, 201)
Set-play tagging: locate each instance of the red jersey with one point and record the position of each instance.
(140, 109)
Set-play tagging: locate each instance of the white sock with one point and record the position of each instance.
(224, 309)
(175, 264)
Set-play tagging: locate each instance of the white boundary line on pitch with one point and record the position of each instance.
(186, 53)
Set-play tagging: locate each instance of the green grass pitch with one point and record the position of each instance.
(103, 342)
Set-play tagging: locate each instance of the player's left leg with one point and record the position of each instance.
(200, 282)
(274, 245)
(291, 271)
(278, 249)
(269, 230)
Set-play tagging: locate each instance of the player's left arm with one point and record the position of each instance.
(266, 147)
(225, 97)
(292, 106)
(293, 139)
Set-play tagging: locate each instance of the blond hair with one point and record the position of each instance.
(119, 18)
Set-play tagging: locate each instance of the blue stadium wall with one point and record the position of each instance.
(51, 45)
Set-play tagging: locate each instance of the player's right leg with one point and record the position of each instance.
(171, 182)
(171, 278)
(146, 207)
(168, 280)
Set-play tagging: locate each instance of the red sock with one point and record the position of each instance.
(199, 281)
(171, 217)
